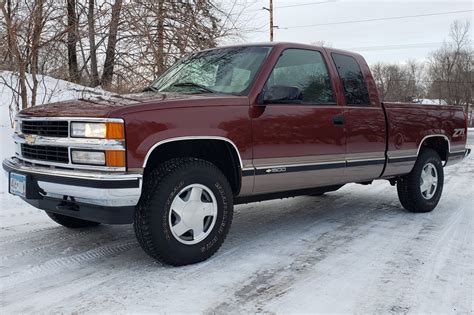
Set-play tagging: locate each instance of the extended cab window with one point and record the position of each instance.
(355, 88)
(306, 70)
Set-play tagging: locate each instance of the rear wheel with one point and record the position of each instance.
(420, 191)
(70, 222)
(185, 211)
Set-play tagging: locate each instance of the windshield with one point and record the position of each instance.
(227, 70)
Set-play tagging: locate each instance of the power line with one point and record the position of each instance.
(303, 4)
(395, 47)
(296, 5)
(379, 19)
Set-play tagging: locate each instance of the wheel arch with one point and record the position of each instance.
(218, 150)
(438, 142)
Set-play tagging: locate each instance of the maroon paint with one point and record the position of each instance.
(278, 131)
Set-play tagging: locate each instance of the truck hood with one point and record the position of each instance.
(117, 105)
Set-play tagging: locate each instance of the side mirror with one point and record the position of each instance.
(282, 94)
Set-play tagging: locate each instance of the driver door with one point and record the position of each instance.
(299, 144)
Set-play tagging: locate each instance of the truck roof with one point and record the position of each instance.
(286, 45)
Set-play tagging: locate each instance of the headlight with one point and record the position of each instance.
(88, 157)
(88, 130)
(109, 130)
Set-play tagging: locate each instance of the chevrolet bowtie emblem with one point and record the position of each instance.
(30, 139)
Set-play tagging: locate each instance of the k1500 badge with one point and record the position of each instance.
(276, 170)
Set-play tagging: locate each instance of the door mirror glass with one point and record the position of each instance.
(282, 94)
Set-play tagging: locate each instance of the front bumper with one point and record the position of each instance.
(106, 197)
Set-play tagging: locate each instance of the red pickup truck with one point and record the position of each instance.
(226, 126)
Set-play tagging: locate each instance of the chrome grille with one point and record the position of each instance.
(47, 141)
(50, 128)
(45, 153)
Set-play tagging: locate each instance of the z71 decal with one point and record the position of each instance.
(458, 132)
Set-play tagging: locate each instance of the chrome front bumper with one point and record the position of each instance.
(107, 189)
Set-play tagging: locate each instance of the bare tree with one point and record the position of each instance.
(35, 46)
(6, 41)
(109, 63)
(72, 41)
(12, 31)
(121, 45)
(92, 43)
(450, 67)
(33, 32)
(399, 82)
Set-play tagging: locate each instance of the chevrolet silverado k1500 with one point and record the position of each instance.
(226, 126)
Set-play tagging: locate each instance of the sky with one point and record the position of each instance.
(389, 40)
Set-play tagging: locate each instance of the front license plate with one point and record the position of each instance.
(18, 184)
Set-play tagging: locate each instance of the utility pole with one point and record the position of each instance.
(272, 27)
(271, 20)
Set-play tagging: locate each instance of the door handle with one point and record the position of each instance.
(338, 120)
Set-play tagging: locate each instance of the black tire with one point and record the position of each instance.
(152, 223)
(70, 222)
(408, 187)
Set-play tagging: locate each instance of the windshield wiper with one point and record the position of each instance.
(192, 84)
(150, 89)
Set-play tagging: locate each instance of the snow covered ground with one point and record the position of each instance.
(352, 251)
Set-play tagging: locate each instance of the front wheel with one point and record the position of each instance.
(185, 211)
(420, 191)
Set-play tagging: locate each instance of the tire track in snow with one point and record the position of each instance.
(413, 261)
(404, 273)
(270, 283)
(26, 235)
(49, 242)
(453, 239)
(58, 264)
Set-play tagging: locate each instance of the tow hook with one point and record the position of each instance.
(66, 204)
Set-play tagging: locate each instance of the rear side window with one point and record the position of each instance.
(355, 88)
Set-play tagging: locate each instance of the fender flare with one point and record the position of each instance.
(434, 136)
(190, 138)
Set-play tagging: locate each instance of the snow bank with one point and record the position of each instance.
(429, 101)
(50, 90)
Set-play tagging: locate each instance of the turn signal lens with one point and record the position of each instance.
(115, 158)
(115, 131)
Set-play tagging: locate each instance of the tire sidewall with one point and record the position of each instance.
(433, 158)
(160, 208)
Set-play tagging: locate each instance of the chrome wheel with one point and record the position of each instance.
(193, 214)
(429, 181)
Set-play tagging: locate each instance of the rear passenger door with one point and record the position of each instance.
(364, 120)
(299, 144)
